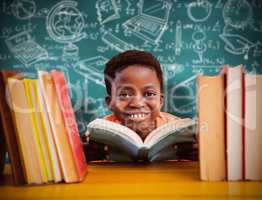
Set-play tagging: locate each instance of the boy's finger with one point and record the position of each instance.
(87, 136)
(87, 133)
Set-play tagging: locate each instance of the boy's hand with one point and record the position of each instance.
(188, 151)
(86, 137)
(94, 146)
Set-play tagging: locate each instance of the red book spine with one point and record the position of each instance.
(70, 122)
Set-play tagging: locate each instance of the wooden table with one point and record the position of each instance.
(169, 180)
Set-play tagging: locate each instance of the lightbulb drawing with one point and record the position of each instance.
(199, 45)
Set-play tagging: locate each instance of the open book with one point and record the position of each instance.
(132, 145)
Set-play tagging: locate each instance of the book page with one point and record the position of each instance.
(117, 129)
(167, 129)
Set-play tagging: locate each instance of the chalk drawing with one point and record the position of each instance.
(199, 11)
(106, 11)
(237, 44)
(23, 9)
(178, 37)
(25, 49)
(115, 42)
(92, 69)
(200, 46)
(182, 96)
(65, 24)
(151, 21)
(237, 13)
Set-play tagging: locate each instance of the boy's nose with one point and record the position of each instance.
(137, 101)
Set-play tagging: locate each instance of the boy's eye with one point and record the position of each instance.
(150, 94)
(124, 95)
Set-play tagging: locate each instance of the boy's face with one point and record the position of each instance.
(136, 98)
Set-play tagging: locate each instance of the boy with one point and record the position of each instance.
(134, 84)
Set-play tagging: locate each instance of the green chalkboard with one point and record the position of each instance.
(78, 37)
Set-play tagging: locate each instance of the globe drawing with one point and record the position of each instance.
(237, 13)
(65, 24)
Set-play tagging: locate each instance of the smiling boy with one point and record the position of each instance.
(134, 84)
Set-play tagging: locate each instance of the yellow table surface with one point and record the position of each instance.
(168, 180)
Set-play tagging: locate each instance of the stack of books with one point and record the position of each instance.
(230, 128)
(40, 129)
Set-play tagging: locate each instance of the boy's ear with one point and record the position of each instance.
(108, 101)
(162, 99)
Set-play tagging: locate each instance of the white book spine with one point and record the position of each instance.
(253, 127)
(50, 140)
(234, 118)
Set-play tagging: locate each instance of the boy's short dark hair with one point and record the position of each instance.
(127, 58)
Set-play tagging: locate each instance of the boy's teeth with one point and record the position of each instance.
(137, 116)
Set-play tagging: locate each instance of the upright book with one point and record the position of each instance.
(38, 136)
(10, 132)
(234, 122)
(47, 131)
(70, 122)
(253, 127)
(211, 105)
(26, 132)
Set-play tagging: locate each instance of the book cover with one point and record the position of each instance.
(70, 122)
(211, 115)
(10, 133)
(55, 116)
(253, 127)
(130, 143)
